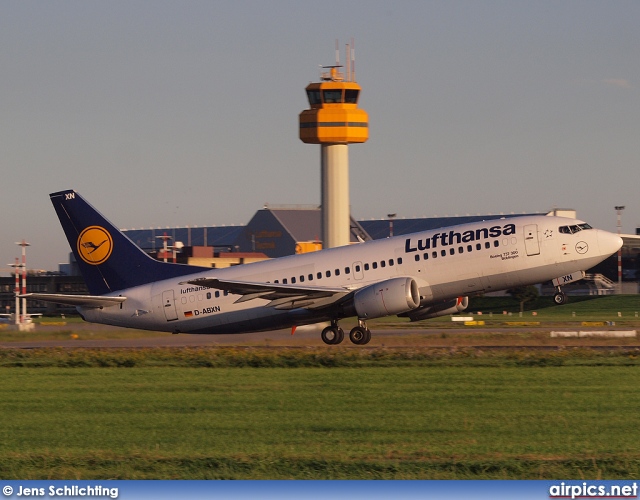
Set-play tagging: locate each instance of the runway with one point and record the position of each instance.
(386, 337)
(281, 338)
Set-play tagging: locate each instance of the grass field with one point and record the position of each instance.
(421, 420)
(412, 412)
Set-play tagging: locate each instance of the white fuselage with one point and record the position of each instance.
(446, 263)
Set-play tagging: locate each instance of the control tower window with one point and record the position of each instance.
(314, 97)
(332, 96)
(351, 96)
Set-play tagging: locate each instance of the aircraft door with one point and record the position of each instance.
(358, 273)
(531, 243)
(169, 305)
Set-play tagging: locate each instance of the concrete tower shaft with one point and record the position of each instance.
(336, 226)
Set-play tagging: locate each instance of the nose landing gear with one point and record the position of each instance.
(559, 297)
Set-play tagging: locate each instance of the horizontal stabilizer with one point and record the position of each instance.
(76, 300)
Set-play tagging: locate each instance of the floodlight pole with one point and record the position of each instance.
(619, 210)
(17, 316)
(24, 245)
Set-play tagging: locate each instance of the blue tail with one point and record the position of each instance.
(108, 260)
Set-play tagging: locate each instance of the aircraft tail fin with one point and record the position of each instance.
(108, 260)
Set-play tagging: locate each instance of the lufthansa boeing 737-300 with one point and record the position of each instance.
(419, 276)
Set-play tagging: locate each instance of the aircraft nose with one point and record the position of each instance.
(609, 243)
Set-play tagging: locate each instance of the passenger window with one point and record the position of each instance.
(434, 255)
(358, 268)
(383, 263)
(425, 256)
(301, 279)
(310, 277)
(217, 295)
(417, 257)
(284, 281)
(375, 265)
(452, 251)
(391, 262)
(319, 275)
(347, 270)
(496, 243)
(208, 295)
(478, 246)
(487, 244)
(328, 273)
(443, 253)
(293, 280)
(366, 267)
(469, 248)
(337, 272)
(399, 261)
(226, 292)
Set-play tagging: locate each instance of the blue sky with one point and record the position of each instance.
(186, 113)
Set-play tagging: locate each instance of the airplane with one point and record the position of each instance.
(418, 276)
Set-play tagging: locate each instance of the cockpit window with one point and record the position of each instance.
(574, 229)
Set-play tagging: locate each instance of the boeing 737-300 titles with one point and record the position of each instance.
(419, 276)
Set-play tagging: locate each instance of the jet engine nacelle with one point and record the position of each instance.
(386, 298)
(451, 306)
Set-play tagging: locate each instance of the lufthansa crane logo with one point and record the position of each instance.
(95, 245)
(582, 247)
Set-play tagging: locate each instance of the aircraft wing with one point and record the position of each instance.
(76, 300)
(280, 296)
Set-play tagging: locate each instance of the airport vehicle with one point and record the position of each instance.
(11, 317)
(420, 276)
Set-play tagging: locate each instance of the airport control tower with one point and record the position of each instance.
(334, 121)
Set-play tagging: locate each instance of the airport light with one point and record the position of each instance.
(619, 210)
(175, 248)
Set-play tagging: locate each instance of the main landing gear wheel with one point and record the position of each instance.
(332, 335)
(360, 335)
